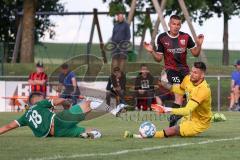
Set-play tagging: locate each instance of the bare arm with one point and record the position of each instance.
(8, 127)
(156, 55)
(40, 82)
(31, 82)
(232, 84)
(197, 50)
(58, 101)
(35, 82)
(74, 83)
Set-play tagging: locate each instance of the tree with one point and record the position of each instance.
(225, 9)
(27, 42)
(9, 21)
(199, 10)
(172, 7)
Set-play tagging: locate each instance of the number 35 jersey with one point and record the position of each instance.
(39, 118)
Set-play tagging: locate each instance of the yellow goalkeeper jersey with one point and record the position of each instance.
(201, 94)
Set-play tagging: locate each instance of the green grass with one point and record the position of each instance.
(20, 144)
(53, 54)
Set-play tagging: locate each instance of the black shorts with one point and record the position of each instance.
(174, 76)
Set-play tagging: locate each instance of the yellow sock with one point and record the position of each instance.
(159, 134)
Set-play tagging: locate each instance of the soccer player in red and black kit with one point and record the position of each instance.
(172, 46)
(38, 80)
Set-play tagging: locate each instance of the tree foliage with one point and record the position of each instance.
(9, 19)
(199, 11)
(219, 7)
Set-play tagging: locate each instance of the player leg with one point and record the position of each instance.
(115, 61)
(175, 78)
(122, 61)
(232, 102)
(184, 129)
(236, 97)
(65, 123)
(167, 132)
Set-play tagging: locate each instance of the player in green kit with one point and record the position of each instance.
(45, 123)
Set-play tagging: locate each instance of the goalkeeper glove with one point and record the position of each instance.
(160, 109)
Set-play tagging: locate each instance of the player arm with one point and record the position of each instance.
(232, 84)
(44, 80)
(196, 50)
(191, 106)
(158, 56)
(31, 82)
(40, 82)
(8, 127)
(58, 101)
(74, 83)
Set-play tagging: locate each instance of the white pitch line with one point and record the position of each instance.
(57, 157)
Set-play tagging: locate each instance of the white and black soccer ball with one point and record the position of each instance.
(147, 129)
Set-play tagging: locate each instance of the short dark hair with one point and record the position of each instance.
(175, 17)
(143, 65)
(200, 65)
(39, 64)
(237, 63)
(32, 95)
(64, 66)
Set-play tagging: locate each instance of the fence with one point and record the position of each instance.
(219, 84)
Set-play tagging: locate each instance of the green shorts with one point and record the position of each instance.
(65, 122)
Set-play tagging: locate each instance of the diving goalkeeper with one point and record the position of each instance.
(197, 112)
(44, 123)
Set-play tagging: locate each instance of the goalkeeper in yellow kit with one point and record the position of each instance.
(197, 112)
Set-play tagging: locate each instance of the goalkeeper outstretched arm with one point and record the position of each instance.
(191, 106)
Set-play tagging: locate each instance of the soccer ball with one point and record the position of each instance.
(147, 129)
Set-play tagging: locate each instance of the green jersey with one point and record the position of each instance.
(39, 118)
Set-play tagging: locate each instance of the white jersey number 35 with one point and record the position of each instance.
(35, 118)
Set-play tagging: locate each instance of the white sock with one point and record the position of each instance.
(137, 136)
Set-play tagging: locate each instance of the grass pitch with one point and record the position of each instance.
(221, 141)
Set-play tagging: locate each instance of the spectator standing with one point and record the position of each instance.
(38, 80)
(68, 84)
(120, 33)
(235, 87)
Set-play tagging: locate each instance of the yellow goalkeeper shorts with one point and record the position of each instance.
(190, 128)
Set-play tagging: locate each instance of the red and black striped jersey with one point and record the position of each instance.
(174, 49)
(38, 76)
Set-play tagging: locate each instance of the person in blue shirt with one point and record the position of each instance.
(235, 88)
(121, 33)
(68, 84)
